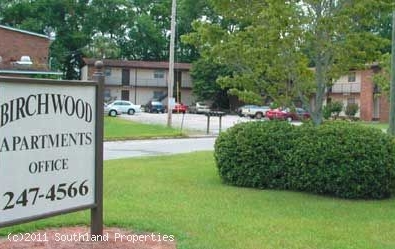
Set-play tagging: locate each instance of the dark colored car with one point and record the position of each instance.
(286, 114)
(180, 108)
(155, 107)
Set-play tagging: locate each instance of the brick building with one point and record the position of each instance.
(24, 53)
(358, 87)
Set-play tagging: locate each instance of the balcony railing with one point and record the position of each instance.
(346, 88)
(141, 82)
(151, 82)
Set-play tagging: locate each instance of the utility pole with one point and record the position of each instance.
(391, 129)
(171, 63)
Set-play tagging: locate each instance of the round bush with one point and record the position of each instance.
(252, 154)
(339, 159)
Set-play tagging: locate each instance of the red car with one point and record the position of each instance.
(286, 114)
(180, 108)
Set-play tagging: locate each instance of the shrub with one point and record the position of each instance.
(336, 108)
(327, 111)
(251, 154)
(339, 159)
(351, 110)
(333, 108)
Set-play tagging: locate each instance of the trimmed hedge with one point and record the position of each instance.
(340, 159)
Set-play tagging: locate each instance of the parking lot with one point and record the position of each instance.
(194, 122)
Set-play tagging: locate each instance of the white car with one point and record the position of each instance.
(199, 107)
(110, 111)
(122, 106)
(253, 111)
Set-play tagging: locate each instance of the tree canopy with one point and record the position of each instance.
(123, 29)
(292, 49)
(258, 50)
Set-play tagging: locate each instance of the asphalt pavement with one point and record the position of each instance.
(192, 122)
(156, 147)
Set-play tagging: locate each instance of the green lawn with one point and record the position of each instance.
(182, 195)
(121, 129)
(382, 126)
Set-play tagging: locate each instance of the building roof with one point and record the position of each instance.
(29, 72)
(139, 64)
(25, 32)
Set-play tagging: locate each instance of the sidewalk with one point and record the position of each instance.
(155, 147)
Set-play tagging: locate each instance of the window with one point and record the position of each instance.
(158, 94)
(159, 74)
(107, 71)
(125, 77)
(350, 101)
(352, 77)
(107, 93)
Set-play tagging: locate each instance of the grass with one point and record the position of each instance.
(120, 129)
(382, 126)
(182, 195)
(377, 125)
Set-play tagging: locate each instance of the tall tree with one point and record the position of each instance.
(102, 47)
(338, 38)
(126, 29)
(187, 12)
(205, 73)
(110, 18)
(259, 46)
(146, 35)
(66, 19)
(270, 45)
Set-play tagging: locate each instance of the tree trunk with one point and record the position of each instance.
(319, 97)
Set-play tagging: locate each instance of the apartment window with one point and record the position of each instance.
(107, 71)
(159, 74)
(107, 93)
(350, 101)
(158, 94)
(352, 77)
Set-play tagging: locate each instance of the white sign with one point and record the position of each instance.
(172, 102)
(47, 149)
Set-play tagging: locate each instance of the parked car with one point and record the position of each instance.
(180, 108)
(199, 107)
(300, 114)
(111, 111)
(123, 106)
(253, 111)
(155, 107)
(287, 114)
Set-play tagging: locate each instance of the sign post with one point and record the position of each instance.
(97, 211)
(51, 149)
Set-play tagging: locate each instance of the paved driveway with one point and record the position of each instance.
(155, 147)
(188, 121)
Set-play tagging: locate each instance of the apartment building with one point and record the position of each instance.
(142, 81)
(358, 87)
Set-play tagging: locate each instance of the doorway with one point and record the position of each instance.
(125, 94)
(125, 77)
